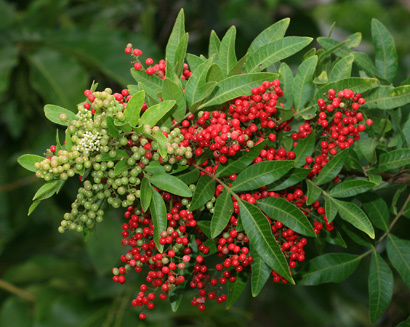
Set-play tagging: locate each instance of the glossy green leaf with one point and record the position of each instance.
(27, 161)
(303, 88)
(238, 68)
(204, 191)
(236, 288)
(367, 147)
(156, 112)
(259, 276)
(215, 74)
(385, 50)
(194, 61)
(394, 159)
(176, 295)
(214, 44)
(177, 33)
(304, 149)
(207, 91)
(33, 207)
(162, 141)
(330, 209)
(48, 190)
(171, 91)
(342, 69)
(259, 231)
(293, 177)
(153, 83)
(354, 215)
(171, 184)
(350, 188)
(335, 238)
(146, 194)
(180, 54)
(53, 113)
(272, 52)
(286, 83)
(357, 236)
(380, 284)
(260, 174)
(226, 57)
(287, 213)
(388, 97)
(313, 192)
(196, 84)
(329, 268)
(272, 33)
(119, 154)
(238, 165)
(159, 217)
(133, 108)
(111, 127)
(398, 251)
(223, 211)
(332, 168)
(189, 177)
(366, 64)
(68, 144)
(238, 85)
(120, 167)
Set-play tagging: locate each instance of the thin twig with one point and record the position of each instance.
(17, 291)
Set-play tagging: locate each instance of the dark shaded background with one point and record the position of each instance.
(50, 51)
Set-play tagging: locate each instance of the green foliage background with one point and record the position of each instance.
(50, 51)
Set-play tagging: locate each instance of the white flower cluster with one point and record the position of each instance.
(90, 142)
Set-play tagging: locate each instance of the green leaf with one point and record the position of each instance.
(53, 113)
(330, 209)
(189, 177)
(238, 85)
(332, 168)
(194, 61)
(303, 88)
(404, 323)
(329, 268)
(48, 190)
(214, 44)
(313, 192)
(111, 127)
(259, 231)
(380, 284)
(398, 252)
(205, 227)
(367, 147)
(260, 174)
(342, 69)
(178, 32)
(27, 161)
(388, 97)
(350, 188)
(354, 215)
(146, 194)
(259, 276)
(215, 74)
(238, 165)
(204, 191)
(304, 149)
(293, 177)
(171, 184)
(68, 143)
(119, 154)
(133, 108)
(151, 82)
(238, 68)
(286, 83)
(171, 91)
(385, 49)
(156, 112)
(120, 167)
(236, 288)
(223, 211)
(180, 54)
(195, 86)
(366, 64)
(272, 33)
(394, 159)
(33, 207)
(272, 52)
(226, 57)
(288, 214)
(159, 217)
